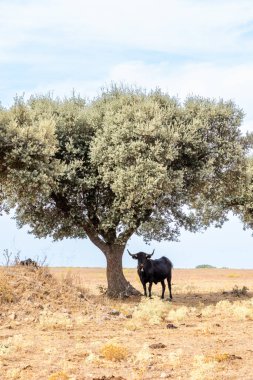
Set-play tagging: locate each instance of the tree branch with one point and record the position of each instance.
(94, 238)
(124, 236)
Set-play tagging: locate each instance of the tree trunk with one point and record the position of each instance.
(118, 286)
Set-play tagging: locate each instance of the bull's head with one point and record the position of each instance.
(142, 258)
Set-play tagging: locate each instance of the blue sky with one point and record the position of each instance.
(188, 47)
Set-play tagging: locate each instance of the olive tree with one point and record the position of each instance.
(127, 162)
(243, 204)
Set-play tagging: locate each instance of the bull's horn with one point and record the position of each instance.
(130, 253)
(150, 254)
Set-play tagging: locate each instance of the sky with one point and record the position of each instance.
(185, 47)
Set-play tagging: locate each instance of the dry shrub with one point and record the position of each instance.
(205, 329)
(6, 290)
(133, 325)
(156, 311)
(13, 344)
(221, 308)
(56, 320)
(141, 362)
(143, 356)
(91, 357)
(240, 309)
(73, 280)
(236, 291)
(206, 367)
(180, 313)
(152, 311)
(203, 369)
(59, 376)
(243, 311)
(174, 357)
(32, 290)
(114, 352)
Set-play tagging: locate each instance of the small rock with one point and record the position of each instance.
(171, 326)
(114, 312)
(235, 357)
(27, 367)
(129, 316)
(157, 345)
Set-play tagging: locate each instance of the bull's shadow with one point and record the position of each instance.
(194, 299)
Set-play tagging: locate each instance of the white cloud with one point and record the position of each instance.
(32, 30)
(182, 26)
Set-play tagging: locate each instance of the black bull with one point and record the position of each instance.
(29, 262)
(151, 271)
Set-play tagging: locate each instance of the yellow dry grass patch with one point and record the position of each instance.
(233, 275)
(59, 376)
(218, 357)
(114, 352)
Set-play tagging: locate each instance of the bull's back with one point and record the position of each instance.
(162, 268)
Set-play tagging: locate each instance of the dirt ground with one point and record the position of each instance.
(57, 325)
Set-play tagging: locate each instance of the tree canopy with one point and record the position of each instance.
(126, 162)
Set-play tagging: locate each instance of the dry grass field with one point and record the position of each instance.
(56, 325)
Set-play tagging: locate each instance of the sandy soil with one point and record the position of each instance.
(62, 327)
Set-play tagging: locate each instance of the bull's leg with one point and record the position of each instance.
(149, 289)
(145, 288)
(163, 290)
(169, 285)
